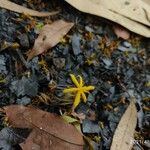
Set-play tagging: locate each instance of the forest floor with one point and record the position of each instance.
(118, 69)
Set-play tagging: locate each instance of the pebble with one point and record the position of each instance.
(59, 62)
(76, 44)
(24, 100)
(90, 127)
(89, 29)
(99, 30)
(122, 48)
(24, 40)
(25, 86)
(3, 68)
(107, 62)
(126, 44)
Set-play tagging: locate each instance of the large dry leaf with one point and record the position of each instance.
(98, 8)
(20, 9)
(128, 8)
(49, 131)
(123, 137)
(49, 36)
(147, 1)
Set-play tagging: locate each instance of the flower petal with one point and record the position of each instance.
(70, 90)
(88, 88)
(84, 96)
(74, 80)
(77, 100)
(81, 81)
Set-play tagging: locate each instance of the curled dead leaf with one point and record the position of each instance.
(49, 131)
(50, 35)
(121, 32)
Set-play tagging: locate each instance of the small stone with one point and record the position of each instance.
(3, 68)
(133, 50)
(76, 44)
(122, 48)
(130, 73)
(126, 44)
(24, 100)
(2, 60)
(89, 29)
(25, 86)
(99, 30)
(90, 127)
(65, 51)
(90, 98)
(107, 62)
(59, 62)
(24, 40)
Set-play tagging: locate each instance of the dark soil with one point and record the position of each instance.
(119, 70)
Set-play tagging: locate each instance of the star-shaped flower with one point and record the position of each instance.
(80, 90)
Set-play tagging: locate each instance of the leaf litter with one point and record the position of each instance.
(20, 9)
(118, 69)
(49, 131)
(130, 17)
(123, 136)
(49, 36)
(10, 137)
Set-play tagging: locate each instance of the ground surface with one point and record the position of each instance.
(118, 69)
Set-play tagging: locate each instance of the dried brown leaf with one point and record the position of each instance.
(147, 1)
(49, 131)
(126, 15)
(123, 137)
(121, 32)
(128, 9)
(50, 35)
(20, 9)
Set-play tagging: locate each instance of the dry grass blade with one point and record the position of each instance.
(123, 137)
(20, 9)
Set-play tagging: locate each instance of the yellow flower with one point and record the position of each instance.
(80, 90)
